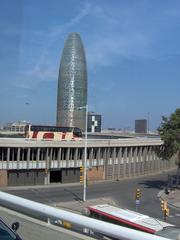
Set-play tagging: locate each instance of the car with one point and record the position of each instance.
(7, 233)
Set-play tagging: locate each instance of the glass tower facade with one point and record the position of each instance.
(72, 84)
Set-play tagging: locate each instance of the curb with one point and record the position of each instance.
(161, 195)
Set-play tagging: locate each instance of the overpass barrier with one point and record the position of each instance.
(97, 226)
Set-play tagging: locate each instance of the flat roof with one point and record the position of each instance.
(23, 142)
(131, 216)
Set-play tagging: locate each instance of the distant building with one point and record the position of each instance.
(72, 84)
(141, 126)
(111, 129)
(94, 122)
(18, 127)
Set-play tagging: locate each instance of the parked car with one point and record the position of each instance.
(7, 233)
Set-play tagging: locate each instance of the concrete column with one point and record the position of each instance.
(47, 167)
(1, 161)
(75, 157)
(53, 158)
(2, 154)
(22, 150)
(150, 159)
(58, 158)
(28, 157)
(130, 162)
(8, 157)
(47, 160)
(139, 170)
(134, 161)
(12, 150)
(113, 163)
(50, 158)
(125, 162)
(37, 158)
(18, 158)
(82, 160)
(47, 177)
(32, 154)
(153, 160)
(145, 160)
(106, 152)
(119, 162)
(67, 157)
(91, 157)
(98, 156)
(103, 159)
(104, 156)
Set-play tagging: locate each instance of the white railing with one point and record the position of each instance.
(76, 219)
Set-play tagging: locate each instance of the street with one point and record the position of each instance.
(121, 192)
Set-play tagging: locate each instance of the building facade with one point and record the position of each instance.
(141, 126)
(18, 127)
(94, 122)
(25, 162)
(72, 84)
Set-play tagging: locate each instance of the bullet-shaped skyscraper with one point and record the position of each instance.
(72, 84)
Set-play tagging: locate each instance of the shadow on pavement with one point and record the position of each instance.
(158, 184)
(76, 197)
(161, 184)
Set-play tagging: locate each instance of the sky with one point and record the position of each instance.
(132, 51)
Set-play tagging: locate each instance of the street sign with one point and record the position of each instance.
(137, 201)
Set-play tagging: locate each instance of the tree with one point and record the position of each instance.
(169, 131)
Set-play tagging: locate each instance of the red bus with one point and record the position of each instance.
(131, 219)
(43, 132)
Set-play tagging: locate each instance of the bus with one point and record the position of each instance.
(43, 132)
(132, 219)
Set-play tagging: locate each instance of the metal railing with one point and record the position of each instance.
(97, 226)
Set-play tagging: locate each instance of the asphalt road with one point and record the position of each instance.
(122, 192)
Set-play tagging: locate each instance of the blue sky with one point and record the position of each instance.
(132, 50)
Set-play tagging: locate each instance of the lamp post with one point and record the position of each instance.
(85, 153)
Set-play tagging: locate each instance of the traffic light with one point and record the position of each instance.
(165, 209)
(81, 174)
(81, 169)
(163, 205)
(81, 179)
(66, 224)
(138, 193)
(166, 212)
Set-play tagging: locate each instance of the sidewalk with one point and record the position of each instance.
(79, 206)
(173, 198)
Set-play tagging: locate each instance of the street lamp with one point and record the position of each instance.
(85, 153)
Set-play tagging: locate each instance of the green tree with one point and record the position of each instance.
(169, 131)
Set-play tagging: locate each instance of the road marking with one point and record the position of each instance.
(175, 215)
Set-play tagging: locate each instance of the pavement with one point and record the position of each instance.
(79, 206)
(31, 228)
(173, 198)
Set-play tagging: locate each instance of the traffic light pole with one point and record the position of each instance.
(85, 156)
(138, 196)
(85, 153)
(165, 209)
